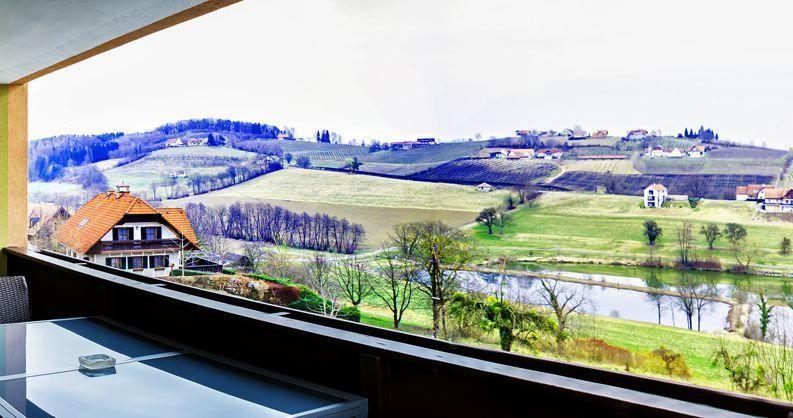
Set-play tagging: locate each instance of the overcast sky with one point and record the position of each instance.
(450, 69)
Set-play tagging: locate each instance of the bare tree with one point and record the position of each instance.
(396, 284)
(685, 244)
(255, 252)
(318, 272)
(352, 277)
(215, 244)
(564, 300)
(502, 219)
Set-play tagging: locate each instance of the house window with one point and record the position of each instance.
(122, 234)
(152, 232)
(117, 262)
(157, 261)
(137, 262)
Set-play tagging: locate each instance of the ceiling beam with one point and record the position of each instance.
(183, 16)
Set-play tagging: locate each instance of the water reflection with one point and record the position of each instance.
(672, 310)
(620, 303)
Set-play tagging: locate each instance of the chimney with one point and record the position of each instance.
(121, 189)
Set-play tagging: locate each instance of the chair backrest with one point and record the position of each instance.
(14, 301)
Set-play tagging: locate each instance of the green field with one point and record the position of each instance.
(708, 165)
(638, 337)
(376, 203)
(608, 228)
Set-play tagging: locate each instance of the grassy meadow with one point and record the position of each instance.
(156, 166)
(609, 228)
(375, 202)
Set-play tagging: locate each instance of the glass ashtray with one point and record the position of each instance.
(97, 362)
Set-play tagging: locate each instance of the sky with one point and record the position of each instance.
(396, 70)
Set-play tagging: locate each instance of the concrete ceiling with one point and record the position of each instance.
(38, 34)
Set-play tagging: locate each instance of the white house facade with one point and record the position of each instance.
(655, 195)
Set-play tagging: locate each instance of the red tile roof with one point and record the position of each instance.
(98, 216)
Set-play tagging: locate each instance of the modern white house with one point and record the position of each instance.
(673, 153)
(655, 195)
(123, 231)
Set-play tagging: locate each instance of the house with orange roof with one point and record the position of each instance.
(655, 195)
(123, 231)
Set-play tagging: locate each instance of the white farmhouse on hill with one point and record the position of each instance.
(484, 187)
(655, 195)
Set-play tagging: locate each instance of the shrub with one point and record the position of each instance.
(229, 271)
(178, 272)
(664, 361)
(280, 294)
(350, 313)
(596, 350)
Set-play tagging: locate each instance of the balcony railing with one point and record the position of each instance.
(133, 245)
(400, 374)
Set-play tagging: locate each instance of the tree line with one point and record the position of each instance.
(198, 183)
(221, 125)
(274, 224)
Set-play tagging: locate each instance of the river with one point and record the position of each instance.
(642, 306)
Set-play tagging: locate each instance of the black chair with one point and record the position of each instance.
(14, 301)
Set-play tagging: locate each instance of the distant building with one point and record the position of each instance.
(484, 187)
(519, 153)
(285, 136)
(41, 214)
(548, 154)
(123, 231)
(776, 200)
(637, 134)
(696, 151)
(751, 192)
(673, 153)
(655, 195)
(656, 151)
(601, 133)
(178, 174)
(579, 134)
(425, 141)
(174, 142)
(195, 142)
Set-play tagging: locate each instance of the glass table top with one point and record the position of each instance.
(181, 385)
(36, 347)
(40, 377)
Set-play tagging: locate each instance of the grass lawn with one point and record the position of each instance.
(606, 228)
(328, 187)
(639, 337)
